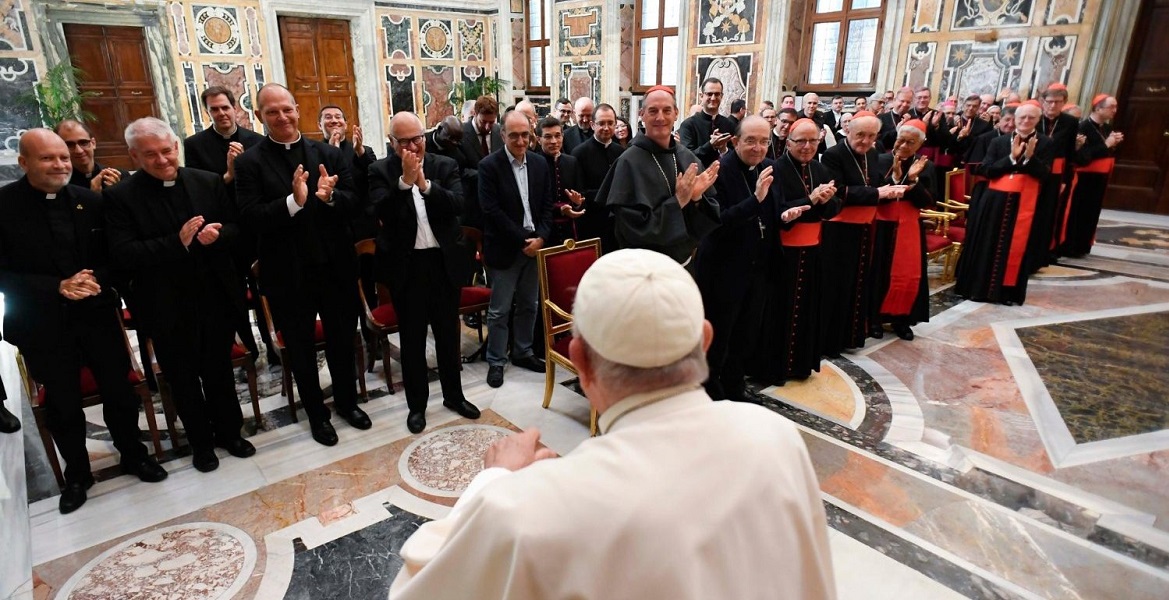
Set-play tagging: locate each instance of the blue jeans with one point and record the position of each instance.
(519, 283)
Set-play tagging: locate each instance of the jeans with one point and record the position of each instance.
(518, 283)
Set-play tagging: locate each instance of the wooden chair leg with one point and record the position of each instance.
(168, 411)
(549, 377)
(389, 371)
(593, 422)
(151, 418)
(359, 347)
(286, 382)
(38, 414)
(250, 370)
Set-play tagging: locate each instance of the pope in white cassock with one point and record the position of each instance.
(681, 498)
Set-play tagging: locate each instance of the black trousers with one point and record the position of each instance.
(93, 340)
(428, 298)
(737, 319)
(296, 317)
(195, 357)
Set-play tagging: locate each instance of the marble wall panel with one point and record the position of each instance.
(626, 76)
(519, 73)
(252, 22)
(978, 68)
(579, 32)
(397, 36)
(435, 39)
(1053, 61)
(14, 32)
(981, 14)
(217, 30)
(17, 76)
(1064, 12)
(436, 90)
(400, 87)
(580, 80)
(920, 64)
(722, 22)
(178, 22)
(471, 40)
(234, 77)
(733, 70)
(927, 15)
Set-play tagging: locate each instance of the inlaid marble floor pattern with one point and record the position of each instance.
(1007, 452)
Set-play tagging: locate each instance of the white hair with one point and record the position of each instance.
(149, 127)
(907, 129)
(688, 370)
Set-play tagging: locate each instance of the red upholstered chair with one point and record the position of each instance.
(560, 270)
(286, 388)
(382, 320)
(90, 396)
(241, 357)
(938, 244)
(475, 298)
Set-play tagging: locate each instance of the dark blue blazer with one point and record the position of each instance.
(503, 209)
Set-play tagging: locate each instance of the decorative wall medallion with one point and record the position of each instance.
(927, 16)
(192, 560)
(919, 66)
(1054, 60)
(233, 77)
(444, 462)
(217, 30)
(252, 19)
(733, 70)
(13, 28)
(976, 68)
(435, 39)
(178, 21)
(471, 40)
(726, 22)
(580, 31)
(977, 14)
(1065, 12)
(581, 80)
(397, 35)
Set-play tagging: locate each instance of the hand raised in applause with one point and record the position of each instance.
(516, 451)
(1081, 139)
(1029, 151)
(336, 138)
(917, 167)
(358, 141)
(890, 192)
(325, 185)
(234, 149)
(692, 184)
(794, 213)
(1017, 148)
(300, 185)
(763, 185)
(823, 193)
(189, 230)
(209, 234)
(80, 286)
(1114, 139)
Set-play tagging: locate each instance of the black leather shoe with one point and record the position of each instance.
(145, 469)
(903, 331)
(416, 421)
(356, 418)
(530, 363)
(73, 496)
(876, 332)
(205, 460)
(464, 408)
(495, 375)
(324, 433)
(238, 447)
(9, 423)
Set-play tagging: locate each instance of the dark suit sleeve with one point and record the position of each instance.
(547, 206)
(33, 286)
(229, 233)
(444, 197)
(688, 134)
(851, 195)
(489, 191)
(128, 250)
(259, 210)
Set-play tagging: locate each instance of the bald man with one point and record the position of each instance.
(61, 311)
(583, 130)
(417, 198)
(296, 195)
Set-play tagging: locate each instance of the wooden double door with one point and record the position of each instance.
(116, 69)
(318, 66)
(1140, 181)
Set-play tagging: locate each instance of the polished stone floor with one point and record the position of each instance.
(1007, 452)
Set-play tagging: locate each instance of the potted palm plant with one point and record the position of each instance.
(57, 96)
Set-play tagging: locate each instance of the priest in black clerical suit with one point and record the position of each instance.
(695, 132)
(566, 182)
(171, 229)
(596, 155)
(61, 311)
(308, 264)
(733, 262)
(207, 150)
(1062, 129)
(417, 198)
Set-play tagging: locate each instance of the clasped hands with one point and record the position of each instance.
(691, 184)
(194, 229)
(80, 286)
(325, 185)
(1021, 150)
(412, 170)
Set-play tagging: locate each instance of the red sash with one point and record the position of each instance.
(801, 235)
(936, 156)
(1028, 189)
(857, 215)
(1100, 166)
(905, 273)
(1057, 166)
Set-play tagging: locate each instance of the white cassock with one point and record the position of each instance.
(682, 498)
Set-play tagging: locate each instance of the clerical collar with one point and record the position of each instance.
(230, 134)
(605, 144)
(288, 145)
(170, 183)
(51, 196)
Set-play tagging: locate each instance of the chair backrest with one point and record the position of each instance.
(956, 185)
(366, 246)
(561, 269)
(472, 265)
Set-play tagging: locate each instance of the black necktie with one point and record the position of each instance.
(483, 143)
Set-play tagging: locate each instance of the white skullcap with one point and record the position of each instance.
(639, 308)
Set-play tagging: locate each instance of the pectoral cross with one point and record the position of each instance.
(762, 228)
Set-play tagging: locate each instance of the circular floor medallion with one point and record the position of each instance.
(444, 462)
(204, 561)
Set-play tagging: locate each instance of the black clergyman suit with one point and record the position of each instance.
(695, 134)
(42, 242)
(207, 151)
(424, 280)
(186, 299)
(594, 160)
(308, 265)
(80, 179)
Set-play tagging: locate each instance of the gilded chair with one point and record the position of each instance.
(560, 270)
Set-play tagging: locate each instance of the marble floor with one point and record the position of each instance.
(1006, 452)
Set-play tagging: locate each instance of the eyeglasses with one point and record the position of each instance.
(406, 141)
(85, 143)
(803, 142)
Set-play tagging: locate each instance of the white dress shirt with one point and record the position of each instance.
(519, 168)
(424, 237)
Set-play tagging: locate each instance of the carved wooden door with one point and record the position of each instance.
(318, 66)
